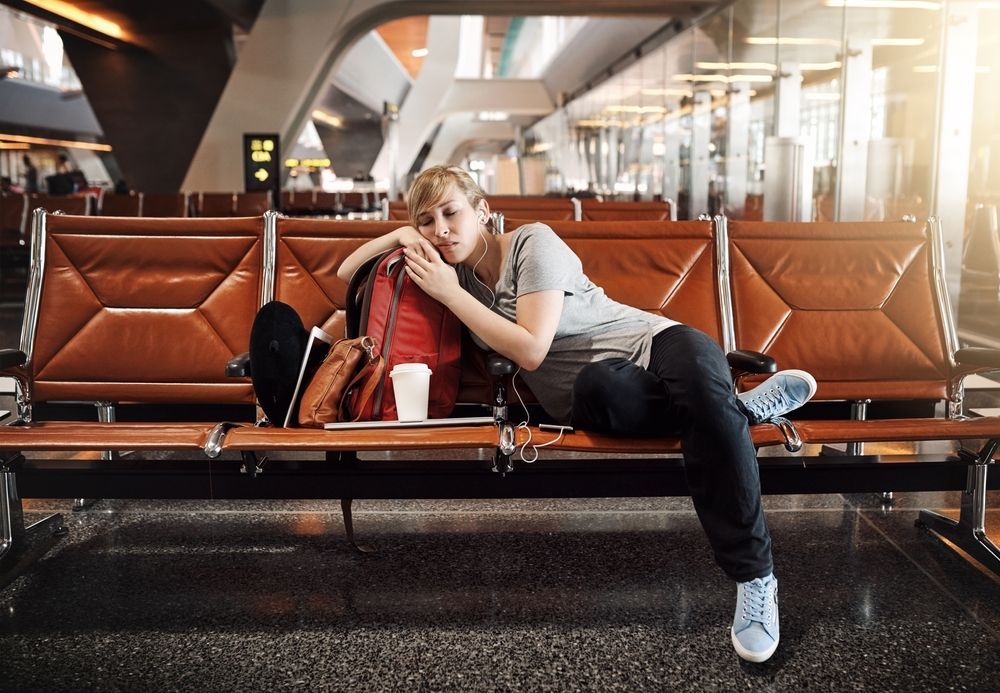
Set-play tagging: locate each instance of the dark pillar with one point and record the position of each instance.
(154, 99)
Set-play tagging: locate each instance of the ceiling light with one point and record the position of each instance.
(493, 116)
(635, 109)
(328, 119)
(87, 19)
(419, 52)
(667, 92)
(897, 42)
(73, 144)
(790, 41)
(736, 66)
(819, 67)
(886, 4)
(980, 69)
(727, 79)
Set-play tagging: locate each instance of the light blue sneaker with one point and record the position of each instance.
(755, 625)
(783, 392)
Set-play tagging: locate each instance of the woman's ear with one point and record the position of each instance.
(484, 211)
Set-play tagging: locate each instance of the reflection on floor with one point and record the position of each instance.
(486, 595)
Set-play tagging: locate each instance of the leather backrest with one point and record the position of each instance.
(660, 267)
(12, 216)
(216, 204)
(853, 303)
(541, 208)
(326, 202)
(146, 310)
(164, 205)
(595, 210)
(357, 201)
(113, 205)
(250, 204)
(309, 251)
(665, 267)
(79, 205)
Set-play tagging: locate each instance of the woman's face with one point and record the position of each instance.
(453, 225)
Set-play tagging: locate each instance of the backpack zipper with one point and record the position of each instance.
(387, 342)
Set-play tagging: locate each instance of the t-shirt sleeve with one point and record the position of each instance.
(544, 262)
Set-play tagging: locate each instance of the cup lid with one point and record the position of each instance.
(410, 368)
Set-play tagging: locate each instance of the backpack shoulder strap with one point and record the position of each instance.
(358, 296)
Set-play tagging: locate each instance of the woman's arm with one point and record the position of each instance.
(526, 341)
(405, 236)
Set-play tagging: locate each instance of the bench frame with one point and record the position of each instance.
(340, 473)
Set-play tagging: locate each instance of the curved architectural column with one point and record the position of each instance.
(294, 47)
(421, 110)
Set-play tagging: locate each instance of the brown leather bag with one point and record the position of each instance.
(351, 364)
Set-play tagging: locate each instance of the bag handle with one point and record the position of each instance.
(369, 376)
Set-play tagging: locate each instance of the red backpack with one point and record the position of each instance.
(409, 327)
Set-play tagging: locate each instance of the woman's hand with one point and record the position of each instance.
(437, 278)
(410, 238)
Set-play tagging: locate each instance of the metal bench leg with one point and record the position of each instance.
(345, 507)
(969, 533)
(105, 414)
(21, 546)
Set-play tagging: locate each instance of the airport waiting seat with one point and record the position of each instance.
(307, 256)
(295, 202)
(215, 204)
(118, 205)
(249, 204)
(352, 202)
(537, 208)
(874, 337)
(173, 308)
(979, 300)
(595, 210)
(326, 202)
(67, 204)
(160, 205)
(13, 242)
(398, 210)
(13, 219)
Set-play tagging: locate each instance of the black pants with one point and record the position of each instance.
(687, 390)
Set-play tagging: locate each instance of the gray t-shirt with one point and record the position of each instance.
(592, 326)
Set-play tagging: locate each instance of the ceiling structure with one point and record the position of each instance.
(403, 37)
(148, 31)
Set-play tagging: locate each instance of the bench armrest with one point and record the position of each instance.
(497, 365)
(239, 366)
(741, 360)
(976, 358)
(744, 361)
(12, 358)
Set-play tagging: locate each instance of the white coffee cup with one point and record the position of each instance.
(411, 384)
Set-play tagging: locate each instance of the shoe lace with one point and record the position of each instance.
(758, 601)
(768, 403)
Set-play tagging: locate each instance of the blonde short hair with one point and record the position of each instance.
(431, 185)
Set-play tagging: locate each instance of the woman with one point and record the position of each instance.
(605, 367)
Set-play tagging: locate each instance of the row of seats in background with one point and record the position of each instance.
(15, 208)
(564, 209)
(206, 204)
(979, 301)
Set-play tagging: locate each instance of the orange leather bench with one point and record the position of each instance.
(149, 310)
(563, 209)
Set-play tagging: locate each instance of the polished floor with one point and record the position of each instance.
(490, 595)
